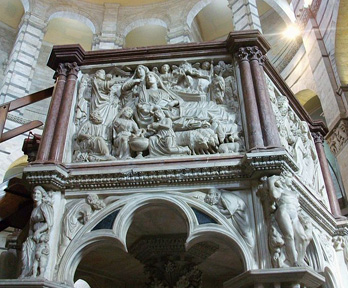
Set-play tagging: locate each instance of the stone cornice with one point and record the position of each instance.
(75, 53)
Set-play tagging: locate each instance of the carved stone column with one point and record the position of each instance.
(250, 104)
(330, 188)
(267, 118)
(52, 116)
(61, 128)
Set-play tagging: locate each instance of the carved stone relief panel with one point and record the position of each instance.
(298, 141)
(338, 137)
(156, 111)
(77, 213)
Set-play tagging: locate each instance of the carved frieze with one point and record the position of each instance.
(167, 110)
(296, 138)
(338, 137)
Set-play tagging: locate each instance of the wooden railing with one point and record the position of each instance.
(19, 103)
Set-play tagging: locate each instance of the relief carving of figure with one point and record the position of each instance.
(185, 115)
(126, 129)
(166, 76)
(36, 250)
(218, 89)
(306, 158)
(82, 103)
(131, 88)
(295, 228)
(77, 213)
(234, 208)
(103, 98)
(92, 140)
(164, 140)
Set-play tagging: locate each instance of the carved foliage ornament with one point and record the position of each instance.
(250, 54)
(169, 111)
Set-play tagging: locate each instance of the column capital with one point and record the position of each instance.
(318, 137)
(250, 53)
(255, 53)
(61, 70)
(73, 68)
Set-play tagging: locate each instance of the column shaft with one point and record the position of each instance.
(52, 116)
(267, 118)
(330, 188)
(57, 149)
(250, 104)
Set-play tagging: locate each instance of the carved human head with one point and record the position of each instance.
(205, 65)
(213, 196)
(165, 69)
(100, 74)
(158, 113)
(141, 71)
(38, 194)
(95, 117)
(127, 112)
(151, 79)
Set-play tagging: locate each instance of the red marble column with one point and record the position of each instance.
(330, 188)
(267, 118)
(250, 104)
(60, 132)
(51, 120)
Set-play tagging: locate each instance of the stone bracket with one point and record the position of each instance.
(257, 164)
(301, 276)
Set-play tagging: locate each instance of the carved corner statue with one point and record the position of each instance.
(36, 250)
(288, 227)
(233, 207)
